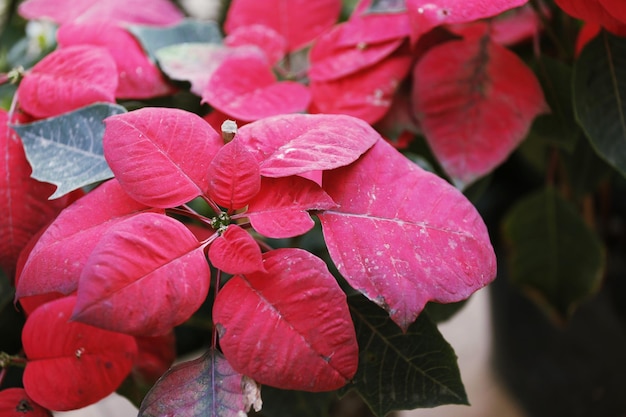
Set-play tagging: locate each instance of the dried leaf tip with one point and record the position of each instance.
(229, 130)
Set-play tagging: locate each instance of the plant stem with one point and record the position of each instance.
(218, 279)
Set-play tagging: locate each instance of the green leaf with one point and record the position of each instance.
(585, 169)
(554, 256)
(283, 403)
(558, 128)
(188, 31)
(387, 6)
(67, 150)
(600, 97)
(402, 371)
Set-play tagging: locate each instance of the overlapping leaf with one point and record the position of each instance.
(204, 387)
(160, 156)
(150, 12)
(234, 176)
(155, 355)
(288, 327)
(272, 43)
(331, 57)
(281, 208)
(67, 150)
(397, 370)
(136, 281)
(377, 21)
(599, 97)
(298, 21)
(475, 101)
(68, 79)
(366, 94)
(295, 144)
(236, 252)
(196, 62)
(97, 360)
(14, 402)
(608, 13)
(138, 77)
(403, 236)
(187, 31)
(244, 87)
(426, 15)
(555, 256)
(23, 200)
(56, 261)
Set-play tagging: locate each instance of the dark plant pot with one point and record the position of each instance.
(577, 370)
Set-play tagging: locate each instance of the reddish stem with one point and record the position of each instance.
(218, 279)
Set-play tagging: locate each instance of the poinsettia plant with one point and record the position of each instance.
(294, 180)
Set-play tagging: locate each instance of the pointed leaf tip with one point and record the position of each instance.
(66, 150)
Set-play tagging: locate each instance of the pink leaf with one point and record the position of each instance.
(330, 59)
(295, 144)
(14, 402)
(426, 15)
(280, 209)
(236, 252)
(374, 27)
(298, 21)
(289, 327)
(149, 12)
(97, 360)
(206, 386)
(245, 88)
(234, 176)
(57, 259)
(160, 156)
(146, 275)
(366, 94)
(272, 43)
(23, 200)
(68, 79)
(138, 77)
(475, 101)
(403, 236)
(29, 304)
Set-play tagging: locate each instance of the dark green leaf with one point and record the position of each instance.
(67, 150)
(282, 403)
(188, 31)
(402, 371)
(439, 313)
(558, 128)
(203, 387)
(554, 256)
(585, 169)
(600, 97)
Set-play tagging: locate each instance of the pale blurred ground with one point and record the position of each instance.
(469, 333)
